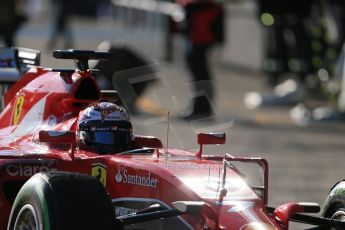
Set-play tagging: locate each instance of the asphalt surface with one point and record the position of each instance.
(304, 161)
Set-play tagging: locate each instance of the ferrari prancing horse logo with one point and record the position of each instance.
(100, 172)
(18, 106)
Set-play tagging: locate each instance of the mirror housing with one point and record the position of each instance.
(210, 139)
(59, 137)
(148, 142)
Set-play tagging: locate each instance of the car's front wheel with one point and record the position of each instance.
(334, 207)
(61, 200)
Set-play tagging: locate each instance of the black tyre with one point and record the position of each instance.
(334, 207)
(62, 201)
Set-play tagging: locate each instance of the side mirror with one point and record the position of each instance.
(210, 139)
(64, 137)
(148, 142)
(59, 137)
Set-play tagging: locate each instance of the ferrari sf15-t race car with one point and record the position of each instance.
(47, 182)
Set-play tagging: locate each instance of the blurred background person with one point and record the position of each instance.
(62, 12)
(204, 28)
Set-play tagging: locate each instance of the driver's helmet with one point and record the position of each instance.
(104, 128)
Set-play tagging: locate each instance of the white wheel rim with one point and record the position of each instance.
(26, 219)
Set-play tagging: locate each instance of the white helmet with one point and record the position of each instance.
(104, 127)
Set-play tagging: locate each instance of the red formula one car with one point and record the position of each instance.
(47, 182)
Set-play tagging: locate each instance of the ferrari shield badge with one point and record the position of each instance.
(100, 172)
(18, 106)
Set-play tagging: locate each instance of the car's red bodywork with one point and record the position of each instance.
(50, 100)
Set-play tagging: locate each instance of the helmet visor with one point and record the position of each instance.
(111, 138)
(106, 137)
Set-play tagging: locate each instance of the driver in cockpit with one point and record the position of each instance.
(104, 128)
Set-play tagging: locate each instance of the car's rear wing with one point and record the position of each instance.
(14, 62)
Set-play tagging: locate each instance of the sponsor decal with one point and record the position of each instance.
(106, 112)
(100, 172)
(27, 170)
(142, 179)
(121, 211)
(340, 191)
(18, 106)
